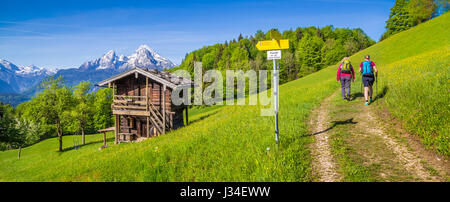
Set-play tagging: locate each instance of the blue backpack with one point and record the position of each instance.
(367, 68)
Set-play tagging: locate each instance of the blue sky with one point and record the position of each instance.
(64, 34)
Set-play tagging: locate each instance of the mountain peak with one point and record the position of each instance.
(146, 57)
(110, 53)
(108, 60)
(30, 70)
(144, 47)
(8, 65)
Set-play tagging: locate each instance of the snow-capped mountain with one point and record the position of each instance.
(32, 70)
(111, 63)
(8, 78)
(7, 66)
(14, 79)
(143, 57)
(25, 80)
(107, 61)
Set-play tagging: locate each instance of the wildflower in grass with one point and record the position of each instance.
(156, 149)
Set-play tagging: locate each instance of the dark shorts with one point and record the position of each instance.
(368, 80)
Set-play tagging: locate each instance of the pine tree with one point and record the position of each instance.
(240, 37)
(399, 19)
(259, 36)
(421, 10)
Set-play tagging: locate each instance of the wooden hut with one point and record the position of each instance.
(142, 103)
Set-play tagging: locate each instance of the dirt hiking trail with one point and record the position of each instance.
(379, 145)
(323, 162)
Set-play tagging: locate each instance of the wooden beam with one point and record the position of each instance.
(146, 93)
(187, 119)
(164, 108)
(114, 91)
(104, 138)
(155, 124)
(130, 96)
(148, 127)
(129, 107)
(131, 112)
(116, 131)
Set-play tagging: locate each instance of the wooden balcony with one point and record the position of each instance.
(130, 105)
(142, 106)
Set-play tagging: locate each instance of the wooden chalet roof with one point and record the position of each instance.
(170, 80)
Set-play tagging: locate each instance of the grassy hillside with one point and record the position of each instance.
(235, 143)
(415, 76)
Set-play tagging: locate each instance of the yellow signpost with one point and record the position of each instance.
(272, 44)
(273, 48)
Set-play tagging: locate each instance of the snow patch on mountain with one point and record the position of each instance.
(20, 79)
(143, 57)
(8, 66)
(32, 70)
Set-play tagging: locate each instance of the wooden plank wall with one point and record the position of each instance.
(136, 87)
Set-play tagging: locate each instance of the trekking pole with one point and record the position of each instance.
(360, 84)
(376, 87)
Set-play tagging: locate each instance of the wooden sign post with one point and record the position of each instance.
(273, 48)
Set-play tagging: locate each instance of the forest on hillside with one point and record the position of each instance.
(310, 49)
(410, 13)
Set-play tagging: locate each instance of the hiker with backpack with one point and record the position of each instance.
(369, 72)
(345, 74)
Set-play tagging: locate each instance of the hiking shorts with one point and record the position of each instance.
(368, 80)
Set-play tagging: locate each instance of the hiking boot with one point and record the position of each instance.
(370, 100)
(367, 103)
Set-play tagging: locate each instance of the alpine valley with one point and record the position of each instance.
(19, 84)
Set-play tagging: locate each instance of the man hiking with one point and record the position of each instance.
(367, 69)
(345, 73)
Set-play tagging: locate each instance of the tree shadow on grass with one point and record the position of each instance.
(203, 117)
(335, 123)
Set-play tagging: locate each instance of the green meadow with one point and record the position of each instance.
(232, 143)
(235, 143)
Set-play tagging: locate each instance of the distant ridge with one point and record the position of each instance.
(24, 81)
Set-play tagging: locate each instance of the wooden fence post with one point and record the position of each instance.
(164, 109)
(104, 138)
(116, 130)
(187, 119)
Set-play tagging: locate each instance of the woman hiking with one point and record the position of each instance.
(345, 73)
(367, 69)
